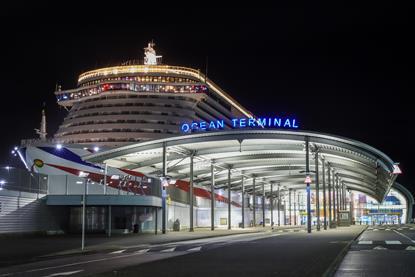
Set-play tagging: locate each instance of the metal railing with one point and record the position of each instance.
(18, 179)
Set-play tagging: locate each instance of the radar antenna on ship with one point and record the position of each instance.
(150, 57)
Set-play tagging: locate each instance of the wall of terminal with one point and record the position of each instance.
(25, 212)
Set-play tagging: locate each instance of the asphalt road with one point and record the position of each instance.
(268, 254)
(381, 251)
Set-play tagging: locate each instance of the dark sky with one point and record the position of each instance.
(338, 70)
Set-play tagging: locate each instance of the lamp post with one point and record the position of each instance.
(83, 175)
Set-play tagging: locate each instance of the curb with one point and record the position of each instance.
(335, 264)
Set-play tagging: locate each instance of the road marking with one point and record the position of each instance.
(64, 273)
(194, 249)
(118, 251)
(78, 263)
(410, 247)
(387, 229)
(142, 251)
(379, 248)
(393, 242)
(405, 236)
(399, 229)
(365, 242)
(168, 250)
(375, 229)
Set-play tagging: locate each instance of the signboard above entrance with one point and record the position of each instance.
(262, 122)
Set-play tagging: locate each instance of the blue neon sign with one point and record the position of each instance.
(262, 122)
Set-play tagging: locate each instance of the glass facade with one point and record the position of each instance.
(393, 210)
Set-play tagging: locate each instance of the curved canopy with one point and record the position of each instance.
(268, 156)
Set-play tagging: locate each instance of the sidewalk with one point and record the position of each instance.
(22, 249)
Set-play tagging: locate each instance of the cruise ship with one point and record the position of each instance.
(121, 105)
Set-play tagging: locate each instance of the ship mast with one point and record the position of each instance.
(150, 57)
(42, 131)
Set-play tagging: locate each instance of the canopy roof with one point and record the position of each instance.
(269, 156)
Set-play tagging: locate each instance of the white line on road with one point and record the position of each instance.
(135, 254)
(141, 251)
(393, 242)
(365, 242)
(168, 250)
(405, 236)
(118, 251)
(78, 263)
(67, 273)
(194, 249)
(380, 248)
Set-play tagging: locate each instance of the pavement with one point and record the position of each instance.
(381, 251)
(282, 252)
(23, 249)
(290, 251)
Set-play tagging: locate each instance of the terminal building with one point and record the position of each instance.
(155, 148)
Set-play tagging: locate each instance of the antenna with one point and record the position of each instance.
(206, 70)
(42, 131)
(150, 56)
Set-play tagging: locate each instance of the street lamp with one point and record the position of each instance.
(2, 182)
(83, 175)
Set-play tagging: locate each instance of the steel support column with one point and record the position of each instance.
(295, 208)
(156, 220)
(212, 197)
(263, 205)
(351, 208)
(272, 205)
(298, 206)
(345, 197)
(243, 201)
(289, 207)
(334, 199)
(254, 201)
(164, 184)
(109, 221)
(307, 162)
(317, 192)
(105, 178)
(279, 206)
(191, 193)
(229, 199)
(83, 214)
(338, 196)
(324, 194)
(329, 193)
(285, 212)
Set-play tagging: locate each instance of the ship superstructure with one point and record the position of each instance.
(126, 104)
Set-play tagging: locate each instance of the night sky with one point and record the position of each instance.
(337, 70)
